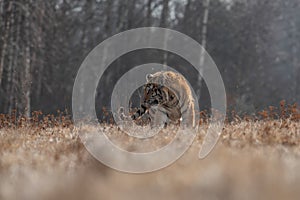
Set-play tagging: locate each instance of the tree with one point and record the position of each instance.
(203, 43)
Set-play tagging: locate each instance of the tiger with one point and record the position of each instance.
(167, 99)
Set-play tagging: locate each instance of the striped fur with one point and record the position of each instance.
(167, 99)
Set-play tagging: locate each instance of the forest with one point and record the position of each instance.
(255, 45)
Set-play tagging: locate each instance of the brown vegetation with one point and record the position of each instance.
(43, 158)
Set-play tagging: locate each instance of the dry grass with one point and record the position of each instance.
(254, 159)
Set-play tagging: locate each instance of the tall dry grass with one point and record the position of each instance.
(257, 157)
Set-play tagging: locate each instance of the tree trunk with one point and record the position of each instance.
(27, 83)
(130, 14)
(10, 85)
(6, 25)
(124, 19)
(149, 13)
(28, 60)
(16, 66)
(187, 13)
(164, 13)
(108, 21)
(203, 43)
(163, 23)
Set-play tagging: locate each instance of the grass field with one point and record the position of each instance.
(254, 159)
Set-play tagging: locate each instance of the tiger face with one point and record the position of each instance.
(152, 94)
(155, 96)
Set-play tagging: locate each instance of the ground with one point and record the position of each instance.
(254, 159)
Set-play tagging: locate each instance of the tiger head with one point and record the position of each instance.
(155, 94)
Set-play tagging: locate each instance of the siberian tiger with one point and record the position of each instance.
(167, 99)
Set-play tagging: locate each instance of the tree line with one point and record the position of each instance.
(42, 44)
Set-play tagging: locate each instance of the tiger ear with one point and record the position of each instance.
(149, 76)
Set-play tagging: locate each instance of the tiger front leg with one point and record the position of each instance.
(158, 117)
(141, 116)
(139, 113)
(188, 118)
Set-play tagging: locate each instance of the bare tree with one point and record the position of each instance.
(163, 23)
(5, 24)
(108, 17)
(26, 89)
(149, 13)
(203, 43)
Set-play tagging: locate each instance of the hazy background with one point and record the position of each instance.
(255, 44)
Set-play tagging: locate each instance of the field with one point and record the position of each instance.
(254, 159)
